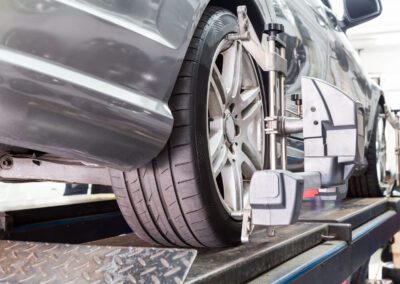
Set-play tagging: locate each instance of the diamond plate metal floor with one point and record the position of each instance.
(22, 262)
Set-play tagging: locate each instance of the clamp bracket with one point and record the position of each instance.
(332, 127)
(268, 59)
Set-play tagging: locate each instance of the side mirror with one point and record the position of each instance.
(360, 11)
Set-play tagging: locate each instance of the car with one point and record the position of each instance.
(157, 93)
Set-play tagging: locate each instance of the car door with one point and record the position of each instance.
(307, 54)
(345, 70)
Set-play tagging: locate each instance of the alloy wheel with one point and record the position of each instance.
(380, 144)
(236, 139)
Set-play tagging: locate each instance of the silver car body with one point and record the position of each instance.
(91, 79)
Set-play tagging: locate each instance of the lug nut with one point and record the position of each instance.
(296, 98)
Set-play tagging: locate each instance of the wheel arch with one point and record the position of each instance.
(381, 100)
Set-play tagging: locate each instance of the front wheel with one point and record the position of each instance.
(372, 183)
(194, 192)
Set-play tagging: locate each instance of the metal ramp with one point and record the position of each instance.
(329, 243)
(23, 262)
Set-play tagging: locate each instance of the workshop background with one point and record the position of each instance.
(378, 45)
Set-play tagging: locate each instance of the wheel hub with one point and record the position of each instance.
(230, 129)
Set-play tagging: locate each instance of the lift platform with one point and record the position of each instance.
(329, 243)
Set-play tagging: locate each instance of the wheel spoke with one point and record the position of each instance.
(220, 160)
(219, 88)
(382, 160)
(381, 151)
(248, 97)
(250, 113)
(232, 70)
(251, 156)
(216, 143)
(246, 193)
(233, 184)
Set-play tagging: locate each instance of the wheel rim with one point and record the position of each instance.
(380, 146)
(236, 141)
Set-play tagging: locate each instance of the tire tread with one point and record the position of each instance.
(162, 201)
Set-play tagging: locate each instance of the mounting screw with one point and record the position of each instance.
(328, 237)
(271, 231)
(296, 98)
(6, 162)
(274, 29)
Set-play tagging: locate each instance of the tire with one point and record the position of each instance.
(370, 184)
(175, 200)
